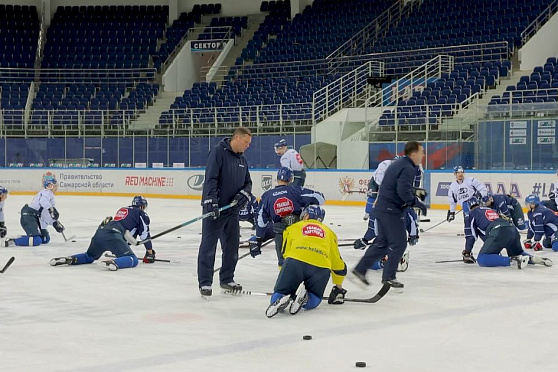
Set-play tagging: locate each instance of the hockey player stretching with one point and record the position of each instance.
(542, 222)
(113, 235)
(311, 254)
(38, 215)
(3, 228)
(497, 233)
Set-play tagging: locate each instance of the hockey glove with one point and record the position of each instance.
(53, 213)
(360, 244)
(421, 206)
(242, 198)
(371, 193)
(149, 257)
(255, 244)
(537, 246)
(58, 226)
(3, 229)
(451, 216)
(211, 206)
(413, 240)
(421, 193)
(337, 296)
(468, 257)
(528, 244)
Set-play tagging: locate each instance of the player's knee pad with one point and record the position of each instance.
(28, 241)
(313, 301)
(377, 265)
(555, 245)
(126, 261)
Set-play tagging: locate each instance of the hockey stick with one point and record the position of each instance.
(446, 261)
(155, 259)
(372, 300)
(67, 239)
(247, 293)
(346, 244)
(8, 264)
(203, 216)
(439, 223)
(246, 254)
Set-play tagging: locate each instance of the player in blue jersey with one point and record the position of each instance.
(38, 215)
(542, 223)
(281, 206)
(250, 212)
(506, 205)
(115, 235)
(497, 233)
(3, 197)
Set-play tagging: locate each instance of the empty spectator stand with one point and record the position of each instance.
(19, 31)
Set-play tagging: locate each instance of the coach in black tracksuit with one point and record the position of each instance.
(396, 194)
(227, 179)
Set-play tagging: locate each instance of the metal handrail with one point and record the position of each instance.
(538, 22)
(56, 76)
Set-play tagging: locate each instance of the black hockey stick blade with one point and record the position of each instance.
(372, 300)
(140, 259)
(8, 264)
(446, 261)
(247, 293)
(425, 220)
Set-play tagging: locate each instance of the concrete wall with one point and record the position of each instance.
(542, 45)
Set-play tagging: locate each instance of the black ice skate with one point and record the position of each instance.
(522, 261)
(358, 279)
(61, 261)
(231, 287)
(394, 283)
(111, 265)
(206, 291)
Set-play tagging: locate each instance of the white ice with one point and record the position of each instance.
(450, 317)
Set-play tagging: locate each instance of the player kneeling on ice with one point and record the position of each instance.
(542, 222)
(38, 215)
(311, 254)
(506, 205)
(115, 235)
(3, 228)
(497, 233)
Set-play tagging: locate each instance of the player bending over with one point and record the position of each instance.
(115, 235)
(542, 222)
(3, 228)
(311, 254)
(497, 233)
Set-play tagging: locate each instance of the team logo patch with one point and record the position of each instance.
(121, 214)
(313, 230)
(283, 206)
(346, 184)
(491, 215)
(267, 182)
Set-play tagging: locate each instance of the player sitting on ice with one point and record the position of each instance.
(542, 222)
(38, 215)
(281, 207)
(551, 202)
(3, 228)
(250, 212)
(506, 205)
(311, 254)
(115, 235)
(497, 233)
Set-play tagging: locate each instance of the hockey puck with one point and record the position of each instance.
(307, 337)
(178, 237)
(73, 241)
(360, 364)
(339, 225)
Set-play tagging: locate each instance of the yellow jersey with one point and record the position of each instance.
(312, 242)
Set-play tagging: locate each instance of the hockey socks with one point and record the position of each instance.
(28, 241)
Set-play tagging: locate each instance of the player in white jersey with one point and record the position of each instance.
(555, 196)
(461, 190)
(291, 159)
(38, 215)
(3, 228)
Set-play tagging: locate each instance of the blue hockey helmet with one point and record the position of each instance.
(49, 179)
(314, 212)
(281, 143)
(3, 190)
(285, 174)
(458, 169)
(473, 202)
(139, 201)
(485, 200)
(532, 199)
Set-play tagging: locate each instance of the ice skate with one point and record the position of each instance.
(358, 279)
(278, 306)
(111, 265)
(522, 261)
(9, 243)
(403, 263)
(231, 288)
(394, 283)
(300, 300)
(206, 291)
(61, 261)
(536, 260)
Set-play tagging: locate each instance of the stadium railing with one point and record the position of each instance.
(539, 22)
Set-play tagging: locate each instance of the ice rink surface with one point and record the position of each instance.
(450, 317)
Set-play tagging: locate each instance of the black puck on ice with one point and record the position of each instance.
(307, 337)
(178, 237)
(73, 241)
(360, 364)
(339, 225)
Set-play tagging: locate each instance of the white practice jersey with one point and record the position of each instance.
(45, 200)
(2, 211)
(291, 159)
(556, 192)
(381, 171)
(461, 192)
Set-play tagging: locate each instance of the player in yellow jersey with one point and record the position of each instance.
(311, 254)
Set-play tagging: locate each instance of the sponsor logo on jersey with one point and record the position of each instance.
(283, 206)
(121, 214)
(267, 182)
(313, 230)
(346, 184)
(491, 215)
(195, 182)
